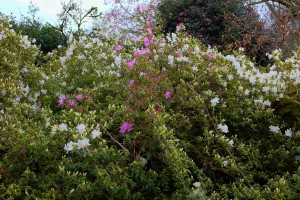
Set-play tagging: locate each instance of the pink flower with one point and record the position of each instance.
(150, 31)
(218, 92)
(130, 64)
(89, 97)
(61, 102)
(143, 8)
(79, 97)
(131, 83)
(136, 53)
(168, 95)
(126, 127)
(152, 12)
(72, 103)
(146, 42)
(118, 48)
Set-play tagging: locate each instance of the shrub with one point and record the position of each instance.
(160, 117)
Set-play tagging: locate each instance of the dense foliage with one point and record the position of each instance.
(155, 118)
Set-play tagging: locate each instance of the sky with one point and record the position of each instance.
(48, 8)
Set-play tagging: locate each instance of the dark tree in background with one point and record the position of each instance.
(45, 34)
(202, 18)
(225, 24)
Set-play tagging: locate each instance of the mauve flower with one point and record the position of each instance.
(89, 97)
(146, 42)
(168, 95)
(61, 102)
(72, 103)
(79, 97)
(150, 31)
(126, 127)
(218, 92)
(131, 83)
(118, 48)
(130, 64)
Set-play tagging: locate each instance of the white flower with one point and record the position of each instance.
(252, 80)
(80, 128)
(118, 61)
(231, 143)
(83, 143)
(267, 103)
(274, 129)
(225, 163)
(214, 101)
(43, 91)
(3, 92)
(95, 133)
(230, 77)
(223, 128)
(195, 69)
(69, 146)
(288, 133)
(170, 59)
(63, 127)
(247, 92)
(24, 70)
(196, 184)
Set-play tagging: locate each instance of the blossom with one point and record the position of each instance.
(118, 60)
(69, 146)
(225, 163)
(168, 95)
(63, 127)
(79, 97)
(195, 69)
(143, 8)
(288, 133)
(118, 48)
(130, 64)
(95, 133)
(126, 127)
(146, 42)
(131, 83)
(89, 97)
(218, 92)
(83, 143)
(231, 143)
(274, 129)
(24, 70)
(214, 101)
(223, 128)
(61, 102)
(170, 59)
(152, 12)
(196, 184)
(80, 128)
(246, 92)
(72, 103)
(150, 31)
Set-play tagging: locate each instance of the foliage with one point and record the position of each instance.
(155, 118)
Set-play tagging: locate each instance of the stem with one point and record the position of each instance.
(116, 141)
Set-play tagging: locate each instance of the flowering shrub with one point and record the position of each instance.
(158, 117)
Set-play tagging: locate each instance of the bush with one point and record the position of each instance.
(160, 117)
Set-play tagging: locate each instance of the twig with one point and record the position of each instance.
(116, 141)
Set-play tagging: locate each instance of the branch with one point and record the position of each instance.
(116, 141)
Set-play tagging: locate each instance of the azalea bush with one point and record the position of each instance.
(157, 117)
